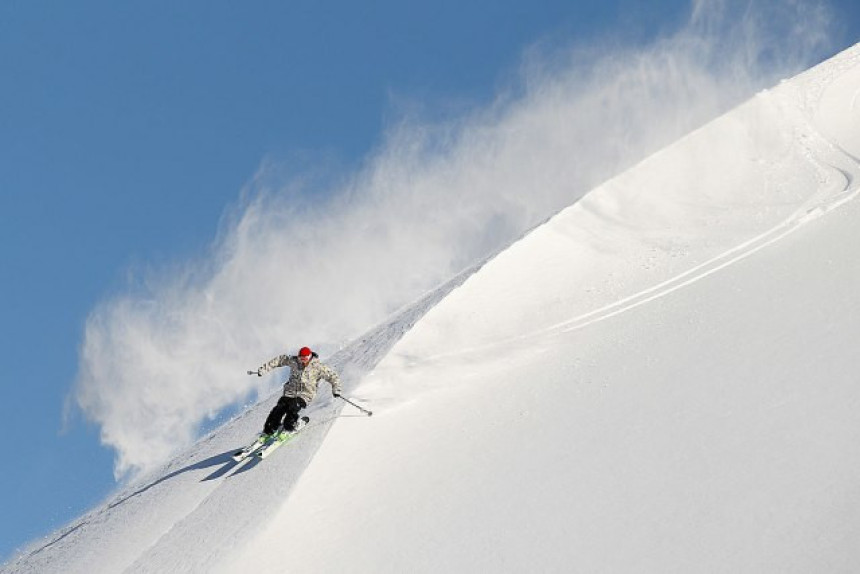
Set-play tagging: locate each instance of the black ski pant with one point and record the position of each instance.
(286, 412)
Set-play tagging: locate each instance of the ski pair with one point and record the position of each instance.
(265, 443)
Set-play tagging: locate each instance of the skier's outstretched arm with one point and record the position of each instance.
(279, 361)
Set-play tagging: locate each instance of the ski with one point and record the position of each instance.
(279, 438)
(247, 451)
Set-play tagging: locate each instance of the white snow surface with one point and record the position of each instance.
(661, 378)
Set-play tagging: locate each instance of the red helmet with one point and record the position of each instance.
(304, 352)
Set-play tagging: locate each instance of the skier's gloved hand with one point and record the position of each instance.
(336, 394)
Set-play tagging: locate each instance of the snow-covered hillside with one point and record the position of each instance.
(659, 379)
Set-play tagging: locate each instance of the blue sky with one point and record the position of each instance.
(127, 132)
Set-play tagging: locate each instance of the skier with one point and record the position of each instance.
(306, 370)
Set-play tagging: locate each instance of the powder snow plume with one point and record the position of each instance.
(166, 356)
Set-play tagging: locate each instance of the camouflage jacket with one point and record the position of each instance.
(304, 380)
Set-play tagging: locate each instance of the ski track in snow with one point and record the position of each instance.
(836, 166)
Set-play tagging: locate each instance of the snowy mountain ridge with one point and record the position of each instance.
(659, 378)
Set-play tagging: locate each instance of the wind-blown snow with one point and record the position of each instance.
(160, 361)
(661, 378)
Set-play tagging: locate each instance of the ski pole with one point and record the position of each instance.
(365, 411)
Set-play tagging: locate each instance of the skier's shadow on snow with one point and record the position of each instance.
(224, 457)
(224, 460)
(244, 466)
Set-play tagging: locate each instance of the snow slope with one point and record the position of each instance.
(662, 378)
(659, 379)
